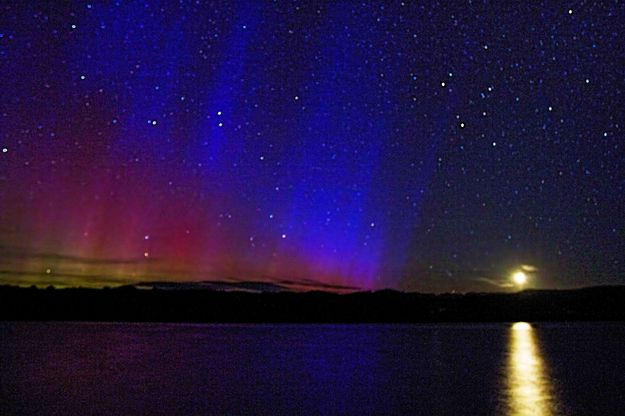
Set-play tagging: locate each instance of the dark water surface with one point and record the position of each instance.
(175, 369)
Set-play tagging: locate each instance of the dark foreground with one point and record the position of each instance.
(82, 368)
(140, 305)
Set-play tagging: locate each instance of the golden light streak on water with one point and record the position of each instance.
(529, 387)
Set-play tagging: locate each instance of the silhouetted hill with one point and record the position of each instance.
(129, 303)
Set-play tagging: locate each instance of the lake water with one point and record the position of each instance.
(177, 369)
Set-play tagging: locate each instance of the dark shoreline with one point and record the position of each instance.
(128, 304)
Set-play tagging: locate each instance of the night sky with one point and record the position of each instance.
(435, 146)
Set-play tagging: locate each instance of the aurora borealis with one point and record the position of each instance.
(431, 146)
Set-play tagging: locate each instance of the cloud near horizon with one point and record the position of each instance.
(24, 267)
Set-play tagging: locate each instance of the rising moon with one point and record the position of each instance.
(519, 278)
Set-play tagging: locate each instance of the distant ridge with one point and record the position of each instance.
(267, 302)
(252, 286)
